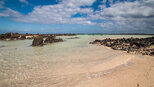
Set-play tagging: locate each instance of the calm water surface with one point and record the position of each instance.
(62, 64)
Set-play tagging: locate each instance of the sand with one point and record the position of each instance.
(139, 72)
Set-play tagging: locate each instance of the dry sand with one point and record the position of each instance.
(137, 71)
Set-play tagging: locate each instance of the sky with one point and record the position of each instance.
(77, 16)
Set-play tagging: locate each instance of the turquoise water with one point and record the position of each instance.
(61, 64)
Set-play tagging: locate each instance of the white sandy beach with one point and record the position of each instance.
(138, 74)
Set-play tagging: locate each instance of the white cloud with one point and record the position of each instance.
(129, 9)
(77, 3)
(121, 15)
(24, 1)
(60, 13)
(10, 13)
(138, 14)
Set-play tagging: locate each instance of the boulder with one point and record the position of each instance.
(38, 41)
(49, 39)
(9, 35)
(6, 36)
(151, 53)
(23, 37)
(52, 39)
(58, 40)
(2, 37)
(16, 36)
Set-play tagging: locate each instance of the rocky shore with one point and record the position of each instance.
(38, 39)
(143, 46)
(15, 36)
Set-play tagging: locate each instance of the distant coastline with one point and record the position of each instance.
(68, 34)
(114, 34)
(18, 36)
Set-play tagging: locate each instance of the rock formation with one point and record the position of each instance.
(52, 39)
(38, 41)
(144, 46)
(15, 36)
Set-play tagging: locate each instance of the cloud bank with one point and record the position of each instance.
(137, 15)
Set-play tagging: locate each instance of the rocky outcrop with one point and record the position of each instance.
(144, 46)
(6, 36)
(38, 41)
(15, 36)
(49, 39)
(52, 39)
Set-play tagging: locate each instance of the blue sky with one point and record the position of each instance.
(77, 16)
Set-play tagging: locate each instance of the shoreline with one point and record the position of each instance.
(138, 72)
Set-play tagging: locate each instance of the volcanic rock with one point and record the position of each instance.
(143, 46)
(38, 41)
(52, 39)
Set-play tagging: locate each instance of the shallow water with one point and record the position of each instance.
(62, 64)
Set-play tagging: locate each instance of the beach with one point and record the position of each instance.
(139, 74)
(73, 63)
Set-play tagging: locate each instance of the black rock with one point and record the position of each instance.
(49, 39)
(38, 41)
(152, 53)
(137, 45)
(52, 39)
(9, 35)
